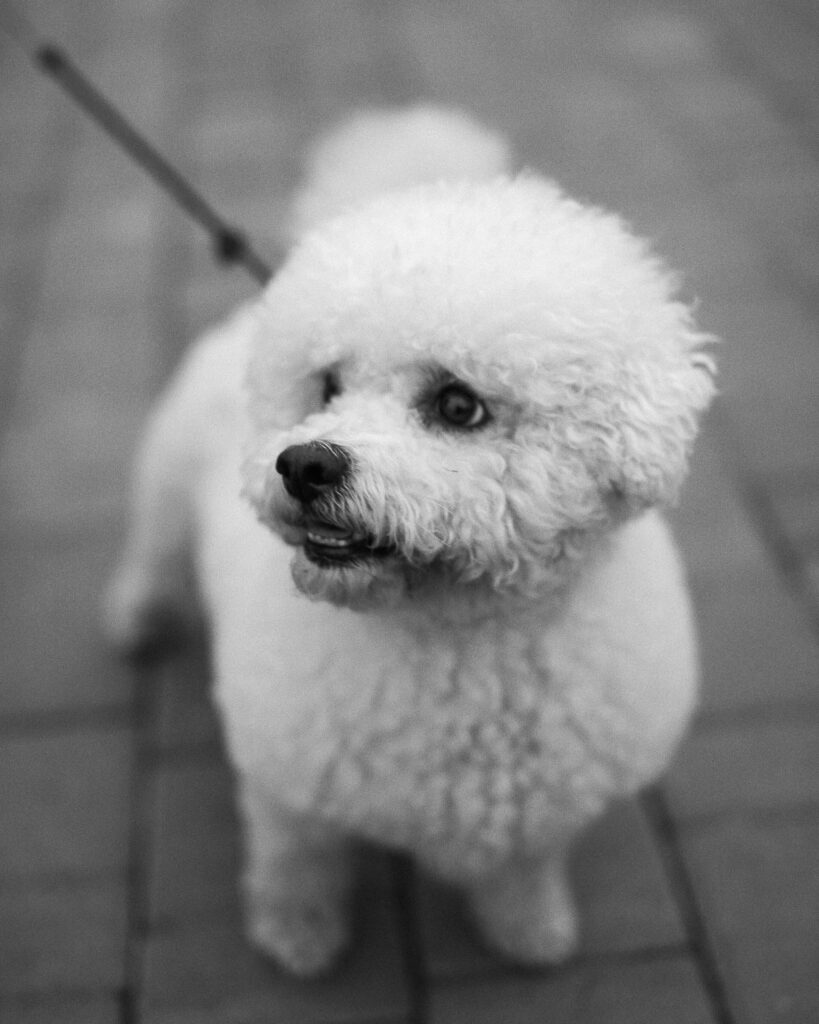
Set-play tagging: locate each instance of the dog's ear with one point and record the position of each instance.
(655, 416)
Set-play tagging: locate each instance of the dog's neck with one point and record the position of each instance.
(435, 597)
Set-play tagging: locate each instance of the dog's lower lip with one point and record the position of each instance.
(332, 544)
(332, 535)
(345, 553)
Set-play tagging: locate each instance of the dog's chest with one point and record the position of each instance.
(459, 751)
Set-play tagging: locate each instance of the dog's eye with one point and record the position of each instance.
(459, 407)
(330, 387)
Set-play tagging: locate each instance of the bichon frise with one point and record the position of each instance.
(419, 478)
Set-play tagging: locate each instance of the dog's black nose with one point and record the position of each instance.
(310, 470)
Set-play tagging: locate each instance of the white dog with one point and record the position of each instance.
(445, 616)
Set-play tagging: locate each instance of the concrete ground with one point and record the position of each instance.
(698, 119)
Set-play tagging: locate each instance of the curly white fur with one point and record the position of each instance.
(513, 648)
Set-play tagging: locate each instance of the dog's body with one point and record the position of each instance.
(458, 432)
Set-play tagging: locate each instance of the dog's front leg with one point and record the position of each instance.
(526, 909)
(297, 883)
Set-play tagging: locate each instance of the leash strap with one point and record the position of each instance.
(230, 245)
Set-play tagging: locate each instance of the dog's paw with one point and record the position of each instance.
(530, 918)
(304, 938)
(531, 939)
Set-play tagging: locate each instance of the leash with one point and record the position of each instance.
(230, 246)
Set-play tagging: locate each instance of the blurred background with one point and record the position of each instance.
(698, 120)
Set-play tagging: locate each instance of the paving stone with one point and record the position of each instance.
(733, 135)
(30, 103)
(623, 897)
(210, 295)
(768, 356)
(758, 887)
(625, 901)
(247, 125)
(65, 937)
(711, 525)
(196, 863)
(768, 364)
(205, 973)
(777, 432)
(55, 657)
(812, 578)
(75, 257)
(796, 504)
(764, 765)
(783, 204)
(64, 802)
(664, 990)
(103, 346)
(64, 1009)
(75, 405)
(722, 105)
(719, 261)
(756, 642)
(617, 161)
(663, 39)
(784, 46)
(451, 945)
(185, 714)
(65, 462)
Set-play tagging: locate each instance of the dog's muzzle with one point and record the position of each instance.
(314, 471)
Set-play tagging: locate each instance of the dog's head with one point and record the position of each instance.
(467, 384)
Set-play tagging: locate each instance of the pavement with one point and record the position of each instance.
(697, 119)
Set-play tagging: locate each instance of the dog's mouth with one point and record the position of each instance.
(329, 544)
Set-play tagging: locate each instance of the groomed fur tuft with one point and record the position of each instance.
(378, 151)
